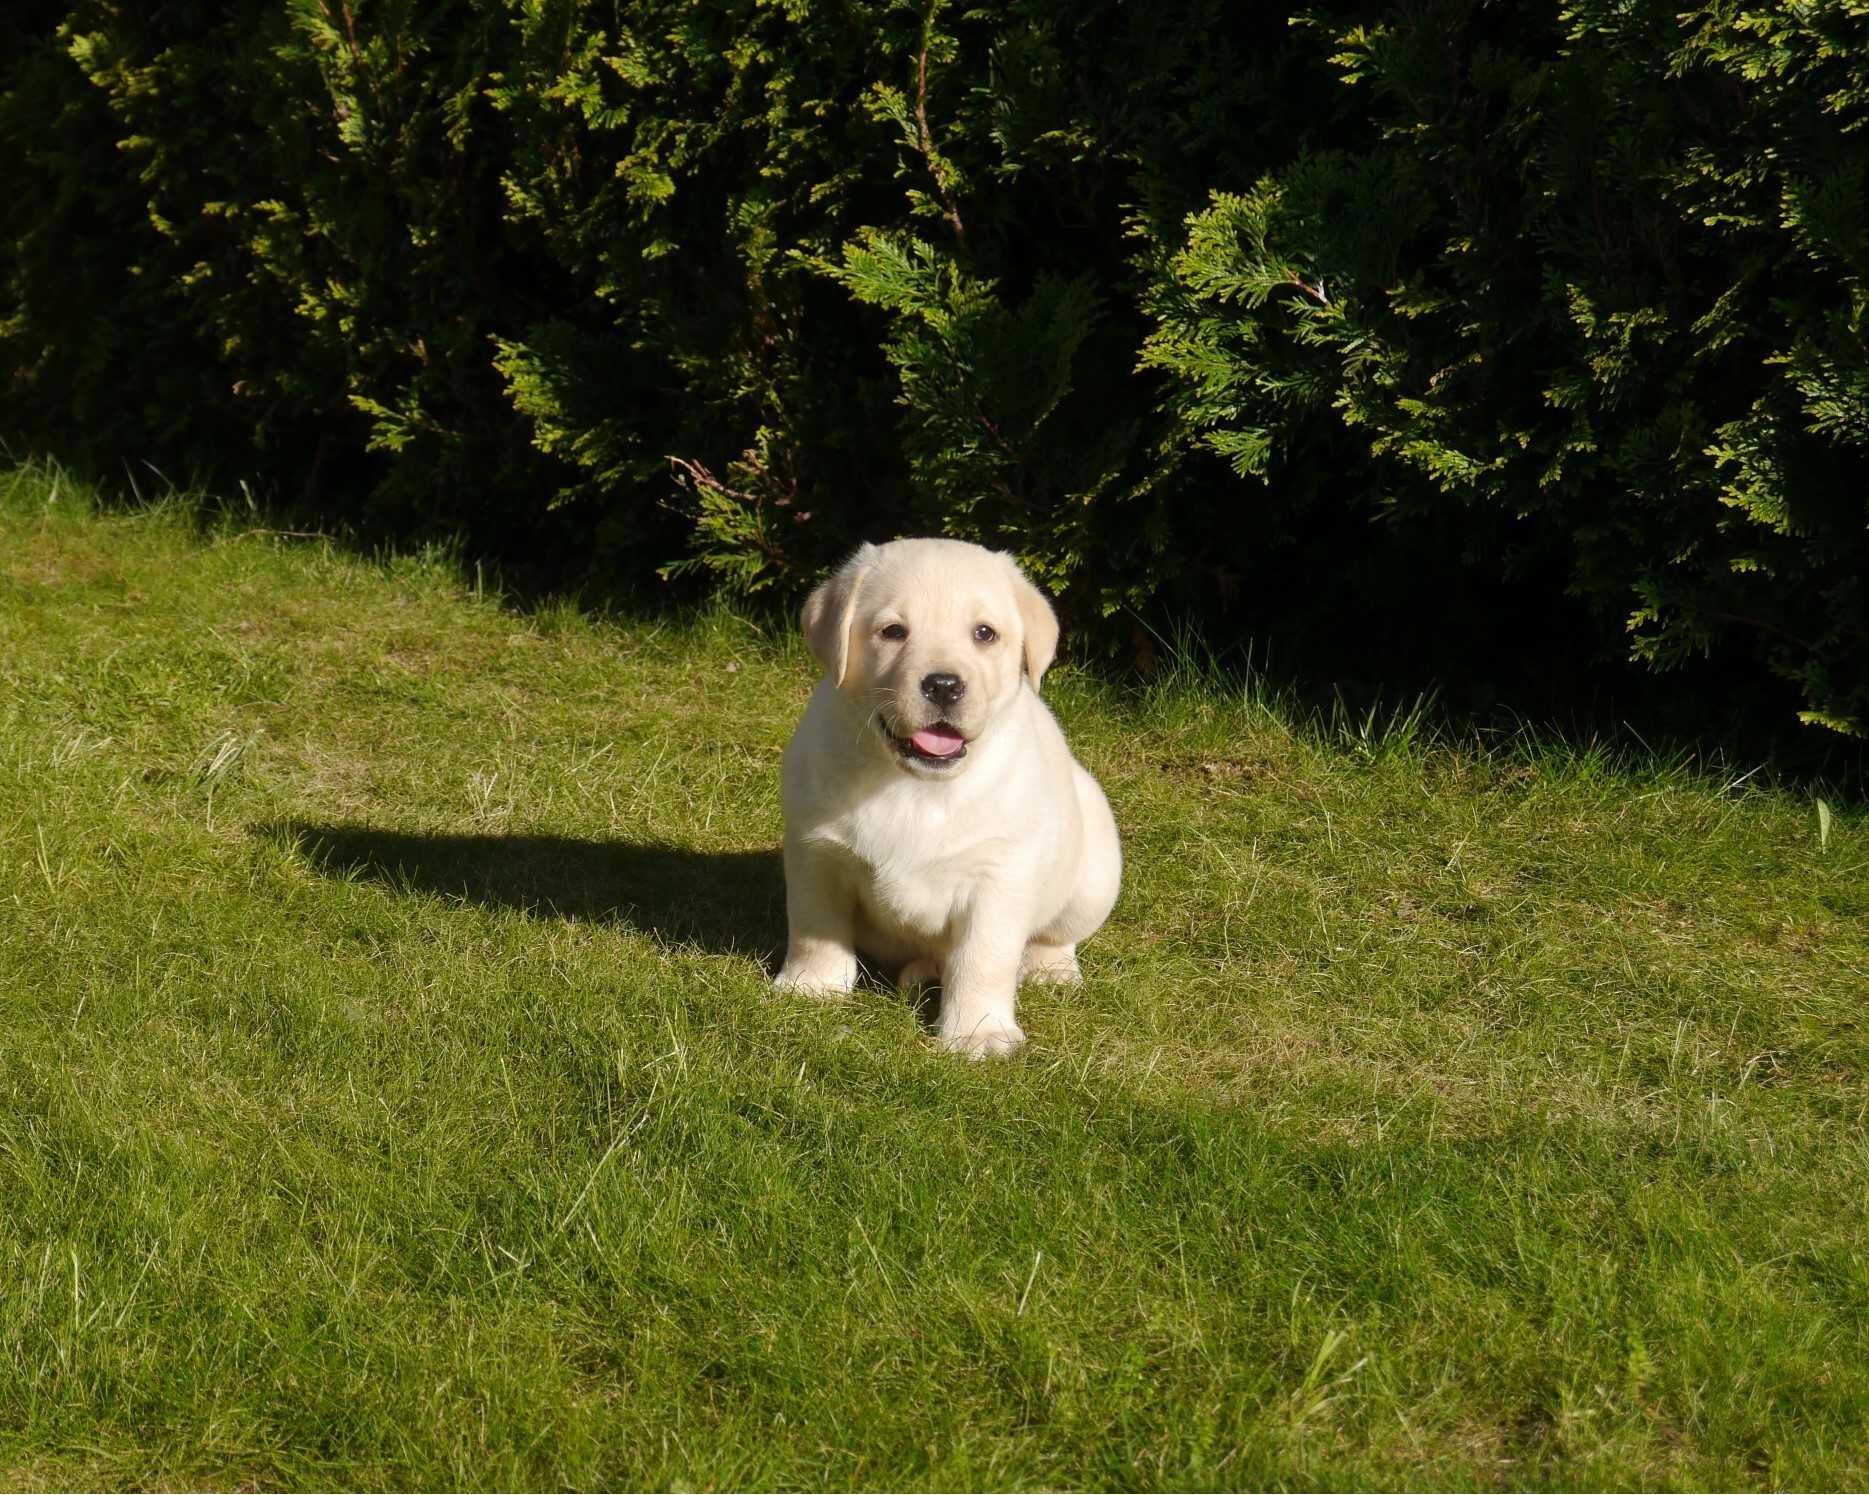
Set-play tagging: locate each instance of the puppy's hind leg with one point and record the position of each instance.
(923, 972)
(1050, 965)
(1052, 953)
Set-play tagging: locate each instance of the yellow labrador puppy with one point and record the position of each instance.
(934, 817)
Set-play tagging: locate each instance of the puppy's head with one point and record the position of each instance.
(932, 639)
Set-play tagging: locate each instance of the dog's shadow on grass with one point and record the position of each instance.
(720, 901)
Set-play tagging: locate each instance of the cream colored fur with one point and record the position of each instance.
(979, 871)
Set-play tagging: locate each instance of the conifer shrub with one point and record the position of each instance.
(1200, 310)
(1597, 273)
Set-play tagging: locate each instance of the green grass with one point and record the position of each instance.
(391, 1095)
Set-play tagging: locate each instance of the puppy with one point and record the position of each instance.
(934, 817)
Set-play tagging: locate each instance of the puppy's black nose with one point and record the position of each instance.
(943, 690)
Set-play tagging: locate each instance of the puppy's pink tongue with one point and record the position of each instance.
(938, 741)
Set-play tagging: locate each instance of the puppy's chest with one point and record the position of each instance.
(917, 873)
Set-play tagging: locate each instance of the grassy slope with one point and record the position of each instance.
(391, 1095)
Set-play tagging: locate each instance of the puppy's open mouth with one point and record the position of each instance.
(937, 744)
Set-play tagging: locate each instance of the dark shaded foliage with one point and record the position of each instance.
(1537, 336)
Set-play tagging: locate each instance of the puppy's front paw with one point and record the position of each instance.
(822, 982)
(990, 1039)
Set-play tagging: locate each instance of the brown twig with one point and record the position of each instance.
(992, 429)
(698, 474)
(1764, 625)
(277, 534)
(925, 137)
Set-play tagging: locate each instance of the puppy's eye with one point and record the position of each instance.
(895, 632)
(985, 634)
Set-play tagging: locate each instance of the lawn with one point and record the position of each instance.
(391, 1094)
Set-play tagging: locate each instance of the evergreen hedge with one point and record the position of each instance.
(1373, 314)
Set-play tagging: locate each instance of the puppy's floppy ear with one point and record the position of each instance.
(831, 609)
(1040, 625)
